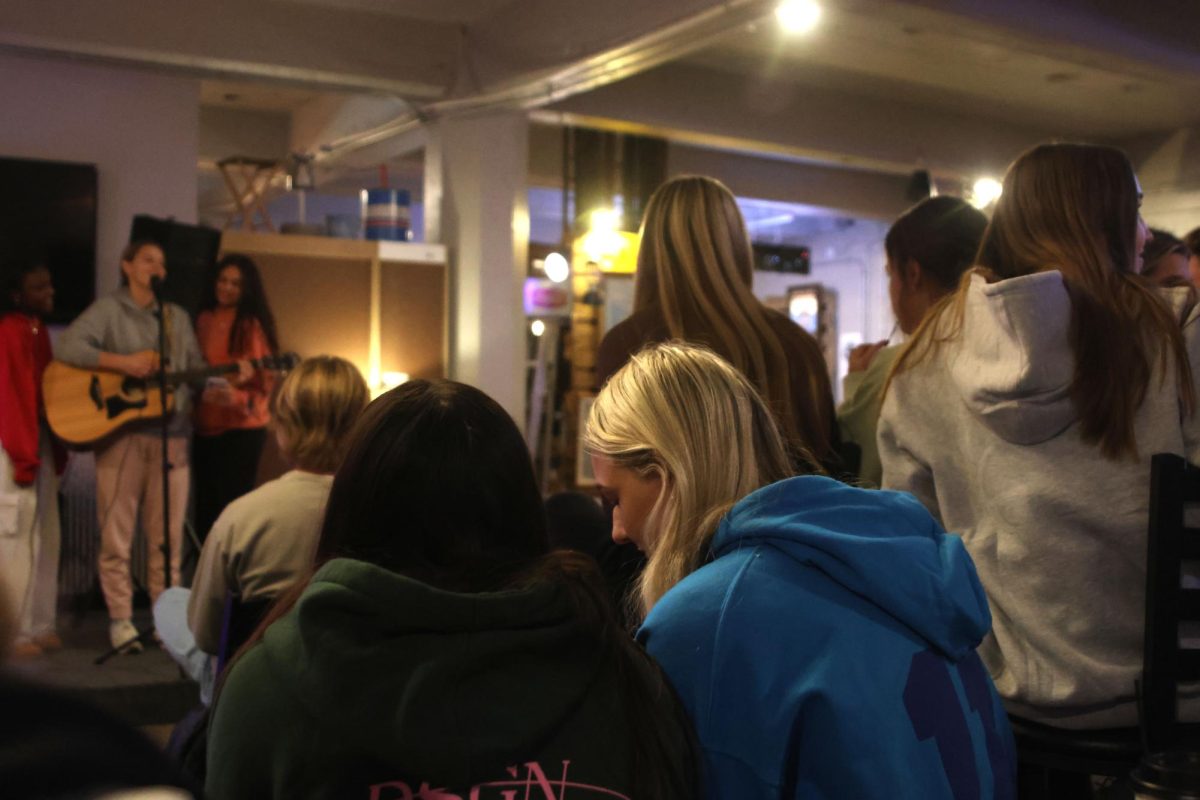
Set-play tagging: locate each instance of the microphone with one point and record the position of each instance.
(156, 286)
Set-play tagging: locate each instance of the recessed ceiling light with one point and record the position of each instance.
(798, 16)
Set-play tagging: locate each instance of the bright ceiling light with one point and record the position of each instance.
(556, 267)
(985, 192)
(537, 328)
(798, 16)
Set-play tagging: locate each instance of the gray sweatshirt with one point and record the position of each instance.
(116, 324)
(985, 435)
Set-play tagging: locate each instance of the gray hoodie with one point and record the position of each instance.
(116, 324)
(985, 435)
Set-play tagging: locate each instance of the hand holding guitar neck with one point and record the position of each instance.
(245, 373)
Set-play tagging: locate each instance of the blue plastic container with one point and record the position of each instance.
(387, 215)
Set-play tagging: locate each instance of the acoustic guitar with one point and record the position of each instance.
(85, 405)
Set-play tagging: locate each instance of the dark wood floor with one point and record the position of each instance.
(146, 689)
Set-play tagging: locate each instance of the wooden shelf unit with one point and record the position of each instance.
(381, 305)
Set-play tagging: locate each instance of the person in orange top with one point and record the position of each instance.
(235, 323)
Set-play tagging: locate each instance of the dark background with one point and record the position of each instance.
(48, 214)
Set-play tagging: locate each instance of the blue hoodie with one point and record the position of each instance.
(828, 651)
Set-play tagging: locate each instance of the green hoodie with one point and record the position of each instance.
(379, 686)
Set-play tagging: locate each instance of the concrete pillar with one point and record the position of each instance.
(476, 204)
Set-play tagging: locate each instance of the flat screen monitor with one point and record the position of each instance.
(48, 214)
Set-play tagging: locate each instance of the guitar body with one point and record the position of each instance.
(85, 405)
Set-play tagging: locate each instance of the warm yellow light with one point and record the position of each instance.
(606, 252)
(393, 379)
(798, 16)
(985, 192)
(556, 267)
(380, 382)
(601, 245)
(603, 220)
(537, 328)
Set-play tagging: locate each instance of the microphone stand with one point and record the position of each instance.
(156, 284)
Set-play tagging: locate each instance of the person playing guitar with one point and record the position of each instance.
(120, 333)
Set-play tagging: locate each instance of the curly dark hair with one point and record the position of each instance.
(252, 305)
(13, 270)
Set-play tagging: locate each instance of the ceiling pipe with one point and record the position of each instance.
(660, 46)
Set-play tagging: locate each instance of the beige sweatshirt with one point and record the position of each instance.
(258, 546)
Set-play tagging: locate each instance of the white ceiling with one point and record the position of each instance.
(463, 12)
(962, 66)
(255, 96)
(881, 85)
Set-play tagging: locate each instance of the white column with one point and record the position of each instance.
(476, 204)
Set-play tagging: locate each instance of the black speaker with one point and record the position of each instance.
(191, 253)
(48, 216)
(920, 186)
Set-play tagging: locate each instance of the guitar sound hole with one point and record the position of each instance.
(119, 405)
(133, 395)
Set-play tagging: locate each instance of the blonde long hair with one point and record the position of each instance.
(696, 268)
(682, 413)
(1074, 208)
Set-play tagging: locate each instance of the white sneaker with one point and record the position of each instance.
(121, 631)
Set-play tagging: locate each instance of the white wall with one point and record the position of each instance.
(140, 131)
(851, 263)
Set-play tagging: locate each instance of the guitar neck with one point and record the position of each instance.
(197, 375)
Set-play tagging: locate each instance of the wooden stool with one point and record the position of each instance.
(248, 180)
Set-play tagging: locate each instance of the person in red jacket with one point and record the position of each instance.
(29, 462)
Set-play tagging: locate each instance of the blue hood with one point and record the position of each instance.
(883, 546)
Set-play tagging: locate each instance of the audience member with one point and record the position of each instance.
(235, 324)
(29, 461)
(1023, 414)
(1192, 242)
(265, 540)
(120, 332)
(928, 249)
(53, 745)
(1165, 260)
(819, 634)
(441, 649)
(694, 274)
(575, 521)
